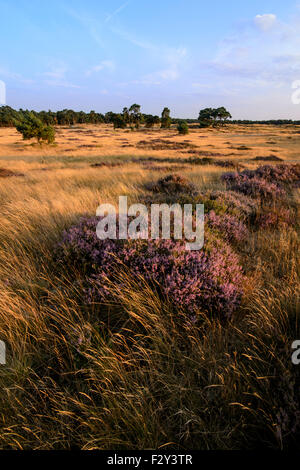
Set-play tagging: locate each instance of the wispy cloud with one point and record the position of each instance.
(246, 59)
(172, 57)
(7, 74)
(117, 11)
(104, 65)
(131, 38)
(89, 23)
(56, 77)
(265, 22)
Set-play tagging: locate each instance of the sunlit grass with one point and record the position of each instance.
(138, 375)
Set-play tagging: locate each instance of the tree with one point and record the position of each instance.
(151, 120)
(183, 128)
(30, 126)
(118, 121)
(166, 119)
(126, 115)
(213, 116)
(135, 115)
(222, 115)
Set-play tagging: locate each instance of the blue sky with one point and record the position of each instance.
(184, 54)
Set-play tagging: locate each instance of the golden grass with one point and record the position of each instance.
(136, 376)
(102, 140)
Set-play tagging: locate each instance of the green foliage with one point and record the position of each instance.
(150, 120)
(183, 128)
(30, 126)
(135, 115)
(166, 120)
(118, 121)
(213, 116)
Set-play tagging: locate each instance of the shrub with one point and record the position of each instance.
(252, 186)
(119, 122)
(30, 126)
(279, 173)
(275, 217)
(231, 228)
(210, 279)
(236, 204)
(221, 202)
(183, 128)
(173, 184)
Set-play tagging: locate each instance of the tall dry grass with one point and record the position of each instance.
(137, 375)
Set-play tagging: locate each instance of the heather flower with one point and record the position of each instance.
(230, 202)
(210, 279)
(282, 173)
(275, 217)
(252, 186)
(231, 228)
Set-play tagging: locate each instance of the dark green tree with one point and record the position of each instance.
(30, 126)
(135, 115)
(213, 117)
(126, 115)
(118, 121)
(183, 128)
(150, 120)
(166, 120)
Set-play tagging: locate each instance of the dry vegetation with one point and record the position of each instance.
(139, 375)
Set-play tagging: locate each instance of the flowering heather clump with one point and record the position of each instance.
(230, 202)
(252, 186)
(209, 279)
(232, 229)
(265, 182)
(173, 184)
(275, 217)
(276, 173)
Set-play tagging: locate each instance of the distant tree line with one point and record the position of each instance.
(132, 117)
(66, 117)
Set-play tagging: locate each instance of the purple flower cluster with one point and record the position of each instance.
(252, 186)
(210, 279)
(275, 217)
(231, 228)
(265, 182)
(230, 202)
(282, 173)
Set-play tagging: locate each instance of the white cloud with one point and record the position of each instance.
(104, 65)
(265, 22)
(117, 11)
(56, 76)
(7, 74)
(57, 73)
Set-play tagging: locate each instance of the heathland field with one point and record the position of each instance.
(140, 345)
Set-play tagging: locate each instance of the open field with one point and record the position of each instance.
(139, 374)
(233, 142)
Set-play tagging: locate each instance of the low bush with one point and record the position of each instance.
(252, 186)
(208, 280)
(231, 228)
(173, 184)
(275, 218)
(183, 128)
